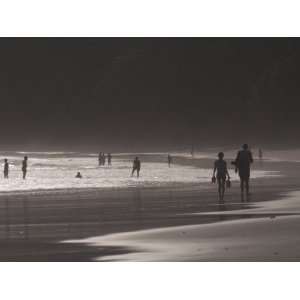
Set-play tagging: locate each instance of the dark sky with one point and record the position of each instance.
(144, 93)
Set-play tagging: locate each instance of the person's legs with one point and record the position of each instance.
(24, 174)
(219, 187)
(223, 187)
(138, 172)
(133, 169)
(242, 184)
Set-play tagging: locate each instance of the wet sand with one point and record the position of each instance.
(33, 226)
(256, 239)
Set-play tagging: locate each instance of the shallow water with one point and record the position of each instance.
(57, 170)
(290, 155)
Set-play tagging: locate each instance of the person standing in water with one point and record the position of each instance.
(242, 163)
(103, 159)
(100, 159)
(136, 167)
(24, 166)
(109, 159)
(6, 167)
(169, 160)
(220, 167)
(78, 175)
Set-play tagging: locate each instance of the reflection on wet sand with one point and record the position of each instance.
(27, 217)
(246, 197)
(7, 228)
(138, 207)
(41, 221)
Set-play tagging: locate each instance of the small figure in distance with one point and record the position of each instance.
(260, 154)
(100, 159)
(242, 164)
(169, 160)
(103, 159)
(109, 157)
(136, 167)
(24, 166)
(221, 167)
(78, 175)
(6, 168)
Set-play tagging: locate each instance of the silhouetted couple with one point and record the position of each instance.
(102, 159)
(242, 165)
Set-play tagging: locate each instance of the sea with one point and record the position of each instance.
(57, 170)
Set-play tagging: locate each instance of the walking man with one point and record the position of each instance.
(242, 164)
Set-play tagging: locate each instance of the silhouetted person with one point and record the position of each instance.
(260, 153)
(103, 159)
(6, 168)
(242, 164)
(169, 160)
(78, 175)
(24, 166)
(220, 167)
(136, 167)
(100, 159)
(109, 157)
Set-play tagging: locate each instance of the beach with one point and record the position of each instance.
(170, 221)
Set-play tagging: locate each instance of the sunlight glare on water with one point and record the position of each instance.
(57, 171)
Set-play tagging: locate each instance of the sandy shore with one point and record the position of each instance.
(169, 224)
(269, 235)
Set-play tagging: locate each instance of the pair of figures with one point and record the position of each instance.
(242, 165)
(24, 167)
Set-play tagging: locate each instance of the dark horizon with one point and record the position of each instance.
(148, 93)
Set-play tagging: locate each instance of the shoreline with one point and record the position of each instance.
(32, 227)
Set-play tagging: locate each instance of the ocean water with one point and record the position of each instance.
(290, 155)
(57, 170)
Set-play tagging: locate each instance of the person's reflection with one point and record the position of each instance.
(245, 198)
(242, 197)
(25, 211)
(7, 227)
(222, 207)
(138, 206)
(175, 202)
(248, 198)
